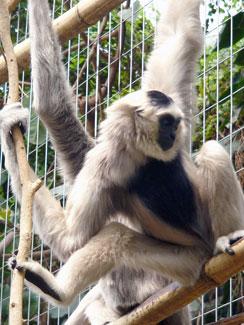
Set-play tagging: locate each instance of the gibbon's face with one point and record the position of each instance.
(148, 120)
(168, 123)
(159, 124)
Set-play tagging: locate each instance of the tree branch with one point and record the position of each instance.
(28, 188)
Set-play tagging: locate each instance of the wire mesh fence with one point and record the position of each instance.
(104, 63)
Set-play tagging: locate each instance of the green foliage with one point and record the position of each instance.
(221, 101)
(234, 27)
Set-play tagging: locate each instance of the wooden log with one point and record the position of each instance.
(86, 13)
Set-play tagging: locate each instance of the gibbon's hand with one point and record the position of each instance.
(10, 116)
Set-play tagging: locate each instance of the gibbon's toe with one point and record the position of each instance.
(230, 251)
(12, 262)
(20, 268)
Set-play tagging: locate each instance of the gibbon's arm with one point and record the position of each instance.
(178, 44)
(53, 99)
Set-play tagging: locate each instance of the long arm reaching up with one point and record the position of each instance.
(53, 99)
(171, 66)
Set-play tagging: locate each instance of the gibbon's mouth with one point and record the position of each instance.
(166, 141)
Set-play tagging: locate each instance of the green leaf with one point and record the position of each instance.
(238, 82)
(2, 199)
(225, 33)
(4, 214)
(37, 130)
(240, 58)
(4, 177)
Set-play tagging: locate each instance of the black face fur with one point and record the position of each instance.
(168, 126)
(159, 99)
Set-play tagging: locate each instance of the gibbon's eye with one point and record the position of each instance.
(159, 99)
(167, 121)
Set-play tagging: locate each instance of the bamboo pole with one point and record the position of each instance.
(28, 188)
(86, 13)
(167, 301)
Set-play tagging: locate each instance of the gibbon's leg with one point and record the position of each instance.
(93, 306)
(91, 310)
(221, 193)
(53, 99)
(114, 245)
(85, 309)
(99, 314)
(171, 66)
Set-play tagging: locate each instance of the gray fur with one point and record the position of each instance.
(100, 233)
(63, 125)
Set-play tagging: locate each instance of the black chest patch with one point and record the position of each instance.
(165, 189)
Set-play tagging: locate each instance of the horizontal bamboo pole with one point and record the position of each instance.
(86, 13)
(167, 301)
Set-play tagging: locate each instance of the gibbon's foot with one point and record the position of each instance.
(33, 274)
(41, 278)
(224, 243)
